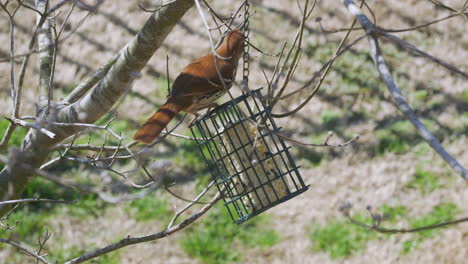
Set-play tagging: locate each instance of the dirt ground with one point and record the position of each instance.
(355, 173)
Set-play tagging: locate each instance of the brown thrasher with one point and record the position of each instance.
(197, 86)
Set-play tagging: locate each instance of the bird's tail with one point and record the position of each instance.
(157, 122)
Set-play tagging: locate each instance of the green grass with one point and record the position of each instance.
(363, 79)
(87, 205)
(388, 141)
(32, 217)
(313, 157)
(420, 95)
(189, 156)
(464, 96)
(424, 181)
(217, 240)
(15, 139)
(393, 213)
(151, 207)
(422, 149)
(441, 213)
(330, 118)
(341, 238)
(29, 224)
(396, 138)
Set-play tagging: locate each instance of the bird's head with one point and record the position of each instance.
(232, 45)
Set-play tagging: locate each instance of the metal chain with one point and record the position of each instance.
(246, 55)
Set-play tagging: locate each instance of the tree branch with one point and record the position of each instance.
(25, 250)
(36, 146)
(396, 93)
(36, 200)
(135, 240)
(44, 40)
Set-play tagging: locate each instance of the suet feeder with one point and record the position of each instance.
(250, 163)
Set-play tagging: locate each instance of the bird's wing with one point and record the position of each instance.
(201, 77)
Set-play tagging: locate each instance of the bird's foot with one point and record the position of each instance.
(197, 116)
(211, 107)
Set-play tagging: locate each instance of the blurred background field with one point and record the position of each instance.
(390, 168)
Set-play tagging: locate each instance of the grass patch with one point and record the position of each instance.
(340, 238)
(424, 181)
(17, 137)
(443, 212)
(421, 95)
(422, 149)
(363, 79)
(464, 96)
(189, 156)
(393, 213)
(151, 207)
(218, 240)
(388, 141)
(400, 136)
(28, 223)
(313, 157)
(31, 218)
(330, 118)
(396, 138)
(86, 205)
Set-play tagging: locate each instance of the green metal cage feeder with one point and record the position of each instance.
(250, 163)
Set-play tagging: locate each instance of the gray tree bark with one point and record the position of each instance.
(88, 109)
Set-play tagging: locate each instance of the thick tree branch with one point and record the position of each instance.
(92, 80)
(36, 146)
(400, 101)
(44, 40)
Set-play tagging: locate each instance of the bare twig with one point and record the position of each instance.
(37, 200)
(20, 122)
(6, 216)
(42, 240)
(413, 48)
(324, 144)
(155, 9)
(58, 6)
(135, 240)
(95, 148)
(14, 92)
(400, 101)
(322, 77)
(297, 46)
(25, 250)
(377, 220)
(55, 50)
(190, 204)
(317, 74)
(422, 25)
(180, 136)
